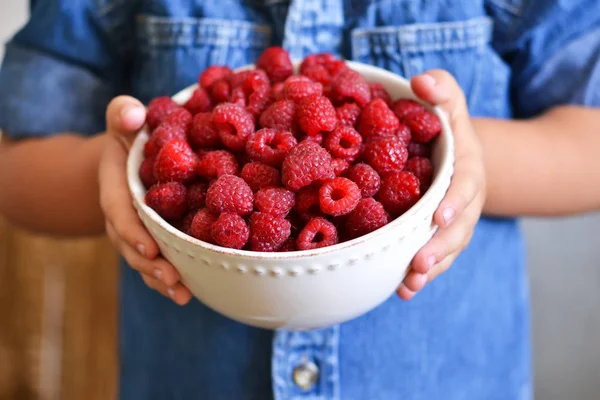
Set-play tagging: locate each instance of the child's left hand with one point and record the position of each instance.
(461, 208)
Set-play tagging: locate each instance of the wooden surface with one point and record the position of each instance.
(58, 318)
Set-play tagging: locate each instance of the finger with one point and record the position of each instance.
(405, 293)
(442, 266)
(159, 268)
(125, 115)
(414, 281)
(439, 87)
(116, 202)
(178, 293)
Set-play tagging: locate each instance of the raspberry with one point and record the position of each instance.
(270, 146)
(160, 136)
(307, 203)
(230, 230)
(250, 81)
(217, 163)
(213, 74)
(202, 225)
(297, 223)
(422, 169)
(306, 163)
(258, 102)
(234, 125)
(278, 91)
(274, 200)
(298, 87)
(204, 133)
(316, 114)
(185, 224)
(378, 91)
(347, 114)
(258, 175)
(318, 139)
(403, 133)
(349, 85)
(175, 162)
(316, 234)
(425, 126)
(366, 178)
(199, 102)
(268, 232)
(196, 195)
(158, 110)
(368, 216)
(419, 149)
(322, 67)
(386, 154)
(399, 192)
(288, 245)
(338, 196)
(168, 200)
(220, 91)
(147, 172)
(179, 117)
(230, 193)
(279, 115)
(275, 61)
(344, 142)
(403, 107)
(377, 120)
(340, 166)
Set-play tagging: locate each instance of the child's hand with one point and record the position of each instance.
(124, 117)
(460, 209)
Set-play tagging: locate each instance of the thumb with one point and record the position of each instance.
(124, 117)
(439, 87)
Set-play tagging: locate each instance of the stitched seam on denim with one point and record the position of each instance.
(516, 11)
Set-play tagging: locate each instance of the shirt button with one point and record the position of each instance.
(306, 375)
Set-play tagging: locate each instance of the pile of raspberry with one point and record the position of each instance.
(265, 160)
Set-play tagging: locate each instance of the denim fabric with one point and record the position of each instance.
(466, 336)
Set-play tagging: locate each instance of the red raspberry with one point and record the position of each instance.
(234, 125)
(179, 117)
(147, 172)
(185, 224)
(270, 146)
(377, 120)
(250, 81)
(220, 91)
(274, 200)
(213, 74)
(316, 114)
(386, 154)
(196, 195)
(322, 67)
(158, 110)
(202, 223)
(344, 142)
(403, 133)
(160, 136)
(298, 87)
(204, 133)
(217, 163)
(419, 149)
(366, 178)
(399, 192)
(340, 166)
(288, 245)
(306, 163)
(318, 139)
(403, 107)
(275, 61)
(230, 230)
(349, 85)
(378, 91)
(230, 193)
(347, 114)
(258, 102)
(278, 91)
(338, 196)
(297, 222)
(422, 169)
(425, 126)
(279, 115)
(368, 216)
(307, 203)
(168, 200)
(316, 234)
(199, 102)
(268, 232)
(258, 175)
(175, 162)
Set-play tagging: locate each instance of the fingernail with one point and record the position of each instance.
(134, 113)
(171, 293)
(430, 261)
(141, 249)
(448, 215)
(428, 79)
(157, 274)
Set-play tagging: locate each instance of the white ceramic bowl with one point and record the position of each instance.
(304, 289)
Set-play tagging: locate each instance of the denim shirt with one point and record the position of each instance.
(466, 335)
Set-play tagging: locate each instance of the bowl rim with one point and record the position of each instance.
(137, 189)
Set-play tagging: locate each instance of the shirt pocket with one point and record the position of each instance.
(171, 52)
(463, 48)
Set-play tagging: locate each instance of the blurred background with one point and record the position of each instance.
(58, 304)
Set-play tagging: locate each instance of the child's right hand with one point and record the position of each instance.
(124, 118)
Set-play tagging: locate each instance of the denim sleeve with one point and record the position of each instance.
(59, 72)
(555, 55)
